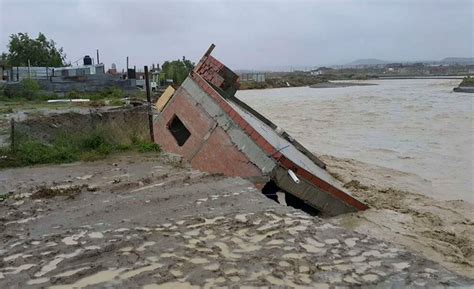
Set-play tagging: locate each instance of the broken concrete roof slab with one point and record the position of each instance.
(216, 132)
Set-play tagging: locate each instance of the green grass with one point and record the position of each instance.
(68, 148)
(467, 81)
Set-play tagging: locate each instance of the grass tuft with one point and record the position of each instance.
(70, 147)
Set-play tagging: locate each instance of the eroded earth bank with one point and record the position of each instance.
(145, 221)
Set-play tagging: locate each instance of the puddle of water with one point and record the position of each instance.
(71, 272)
(198, 260)
(72, 240)
(212, 283)
(144, 245)
(176, 273)
(23, 221)
(52, 265)
(16, 270)
(92, 248)
(206, 222)
(12, 257)
(135, 272)
(259, 237)
(171, 285)
(212, 267)
(97, 278)
(96, 235)
(275, 242)
(242, 217)
(225, 251)
(37, 281)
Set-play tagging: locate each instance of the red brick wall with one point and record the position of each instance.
(217, 154)
(192, 116)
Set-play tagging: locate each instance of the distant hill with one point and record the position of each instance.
(459, 60)
(367, 61)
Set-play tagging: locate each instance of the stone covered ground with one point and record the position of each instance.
(142, 221)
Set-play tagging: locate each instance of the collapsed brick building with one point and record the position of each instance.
(216, 132)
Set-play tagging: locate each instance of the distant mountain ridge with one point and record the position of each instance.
(367, 61)
(459, 60)
(446, 60)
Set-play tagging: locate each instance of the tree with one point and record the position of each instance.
(39, 51)
(177, 70)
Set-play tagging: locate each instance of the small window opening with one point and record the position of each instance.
(178, 130)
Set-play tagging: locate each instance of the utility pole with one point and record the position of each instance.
(148, 98)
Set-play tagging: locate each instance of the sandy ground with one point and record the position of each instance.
(141, 221)
(442, 231)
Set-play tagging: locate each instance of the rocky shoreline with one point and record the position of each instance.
(331, 84)
(467, 89)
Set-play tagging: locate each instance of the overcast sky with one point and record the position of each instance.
(248, 34)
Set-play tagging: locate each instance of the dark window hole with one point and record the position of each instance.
(178, 130)
(273, 192)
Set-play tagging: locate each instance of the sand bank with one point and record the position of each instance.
(442, 231)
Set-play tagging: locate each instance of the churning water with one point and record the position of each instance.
(418, 126)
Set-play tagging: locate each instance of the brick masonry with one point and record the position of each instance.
(208, 148)
(213, 148)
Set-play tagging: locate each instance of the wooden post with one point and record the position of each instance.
(148, 98)
(12, 134)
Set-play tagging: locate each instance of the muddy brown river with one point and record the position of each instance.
(417, 126)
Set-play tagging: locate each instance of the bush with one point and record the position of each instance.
(467, 81)
(31, 88)
(148, 147)
(26, 89)
(69, 147)
(144, 146)
(33, 152)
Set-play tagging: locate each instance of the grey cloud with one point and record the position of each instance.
(248, 34)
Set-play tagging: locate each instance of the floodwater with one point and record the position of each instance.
(417, 126)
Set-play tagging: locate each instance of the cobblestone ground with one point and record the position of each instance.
(187, 230)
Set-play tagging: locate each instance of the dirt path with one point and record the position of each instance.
(442, 231)
(142, 221)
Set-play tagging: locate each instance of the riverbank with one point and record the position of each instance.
(416, 126)
(442, 231)
(466, 89)
(332, 84)
(182, 228)
(283, 81)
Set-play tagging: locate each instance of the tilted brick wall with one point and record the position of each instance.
(208, 148)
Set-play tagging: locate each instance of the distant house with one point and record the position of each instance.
(471, 70)
(438, 70)
(71, 71)
(256, 77)
(321, 71)
(393, 67)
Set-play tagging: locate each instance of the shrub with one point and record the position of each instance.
(69, 147)
(148, 147)
(30, 88)
(467, 81)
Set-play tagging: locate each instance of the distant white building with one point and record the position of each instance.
(256, 77)
(321, 71)
(82, 70)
